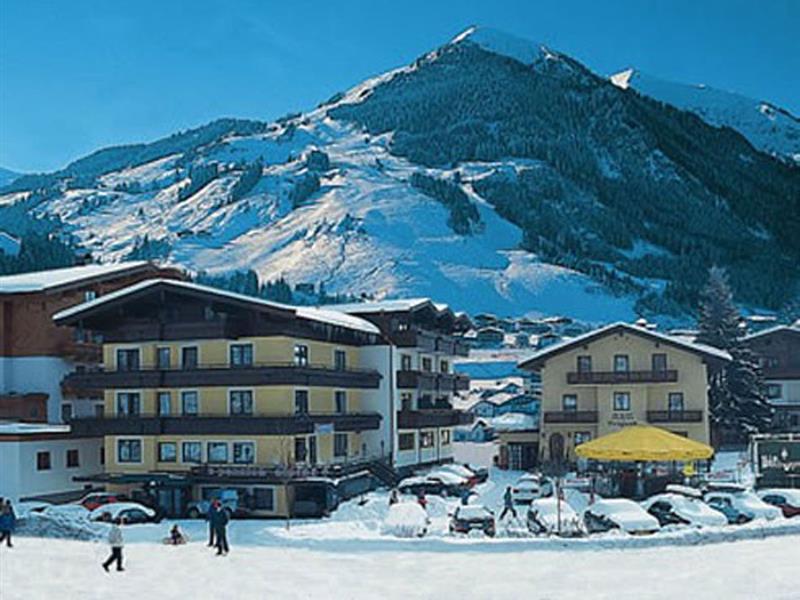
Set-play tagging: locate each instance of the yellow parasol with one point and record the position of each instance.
(646, 444)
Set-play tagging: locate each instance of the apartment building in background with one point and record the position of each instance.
(425, 340)
(616, 376)
(205, 389)
(778, 352)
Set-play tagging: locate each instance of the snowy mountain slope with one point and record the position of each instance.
(769, 128)
(328, 197)
(7, 176)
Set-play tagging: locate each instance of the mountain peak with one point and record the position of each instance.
(505, 44)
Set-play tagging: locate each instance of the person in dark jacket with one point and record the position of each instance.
(508, 501)
(8, 521)
(213, 509)
(221, 519)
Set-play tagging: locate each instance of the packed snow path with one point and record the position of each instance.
(40, 568)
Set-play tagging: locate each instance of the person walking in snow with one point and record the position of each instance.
(508, 501)
(221, 519)
(8, 521)
(393, 497)
(116, 542)
(465, 495)
(213, 509)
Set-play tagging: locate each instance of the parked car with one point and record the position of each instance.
(680, 509)
(437, 484)
(406, 520)
(619, 513)
(227, 497)
(745, 502)
(473, 517)
(544, 515)
(463, 471)
(733, 515)
(96, 499)
(132, 512)
(787, 499)
(529, 487)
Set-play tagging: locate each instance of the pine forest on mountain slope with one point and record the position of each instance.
(589, 172)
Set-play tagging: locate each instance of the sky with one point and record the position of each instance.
(80, 75)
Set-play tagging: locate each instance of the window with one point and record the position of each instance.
(300, 449)
(129, 451)
(244, 453)
(445, 435)
(128, 359)
(405, 441)
(301, 355)
(339, 360)
(217, 452)
(659, 362)
(584, 364)
(99, 410)
(427, 364)
(581, 437)
(42, 461)
(301, 402)
(128, 404)
(569, 402)
(675, 401)
(241, 402)
(66, 412)
(426, 439)
(189, 357)
(89, 295)
(405, 362)
(622, 401)
(621, 363)
(406, 401)
(167, 452)
(191, 452)
(241, 355)
(263, 498)
(164, 403)
(340, 445)
(774, 390)
(189, 403)
(340, 399)
(102, 455)
(444, 366)
(73, 459)
(164, 358)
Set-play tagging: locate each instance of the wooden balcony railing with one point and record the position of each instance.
(435, 382)
(570, 416)
(675, 416)
(611, 377)
(430, 341)
(420, 419)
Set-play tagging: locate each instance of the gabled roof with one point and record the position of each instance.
(41, 281)
(402, 305)
(772, 330)
(330, 317)
(538, 359)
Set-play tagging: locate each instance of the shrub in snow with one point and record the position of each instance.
(405, 520)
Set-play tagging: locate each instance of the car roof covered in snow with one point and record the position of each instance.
(41, 281)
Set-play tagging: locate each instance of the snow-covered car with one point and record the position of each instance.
(553, 516)
(745, 502)
(95, 499)
(619, 513)
(473, 517)
(529, 487)
(406, 520)
(680, 509)
(131, 511)
(787, 499)
(461, 471)
(438, 483)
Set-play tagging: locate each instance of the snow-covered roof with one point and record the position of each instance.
(312, 314)
(39, 281)
(567, 344)
(770, 330)
(398, 305)
(512, 422)
(16, 428)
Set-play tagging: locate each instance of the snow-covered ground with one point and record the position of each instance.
(41, 569)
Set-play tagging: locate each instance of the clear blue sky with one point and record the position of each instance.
(78, 75)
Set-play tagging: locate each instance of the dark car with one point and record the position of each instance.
(733, 514)
(475, 517)
(436, 484)
(788, 500)
(665, 514)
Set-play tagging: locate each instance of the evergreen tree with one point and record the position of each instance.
(737, 399)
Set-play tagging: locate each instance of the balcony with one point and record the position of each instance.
(674, 416)
(570, 416)
(435, 382)
(81, 351)
(615, 377)
(223, 375)
(222, 425)
(430, 341)
(421, 419)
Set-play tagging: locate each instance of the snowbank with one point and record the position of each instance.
(405, 520)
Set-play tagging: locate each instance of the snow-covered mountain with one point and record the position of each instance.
(769, 128)
(7, 176)
(493, 174)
